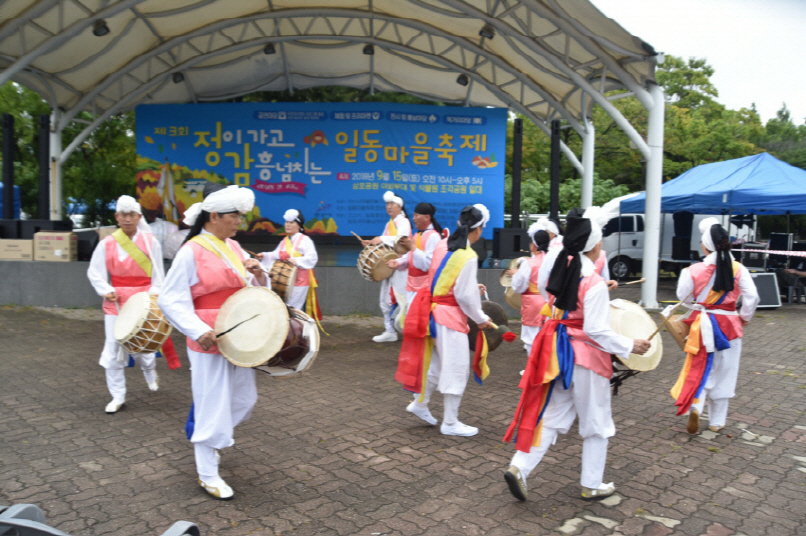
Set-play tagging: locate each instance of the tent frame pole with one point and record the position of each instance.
(652, 212)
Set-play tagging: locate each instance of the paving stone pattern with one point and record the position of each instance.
(333, 451)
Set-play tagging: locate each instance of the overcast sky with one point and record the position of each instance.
(756, 47)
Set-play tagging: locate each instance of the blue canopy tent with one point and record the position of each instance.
(759, 184)
(16, 201)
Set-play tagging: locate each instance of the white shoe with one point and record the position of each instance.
(597, 494)
(458, 429)
(114, 406)
(385, 337)
(421, 412)
(155, 385)
(516, 483)
(217, 488)
(217, 457)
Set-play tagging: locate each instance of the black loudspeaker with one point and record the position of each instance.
(780, 242)
(681, 248)
(798, 263)
(509, 243)
(29, 227)
(480, 247)
(683, 222)
(767, 286)
(753, 255)
(9, 229)
(87, 240)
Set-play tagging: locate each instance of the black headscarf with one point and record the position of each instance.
(469, 217)
(541, 240)
(429, 210)
(564, 278)
(723, 279)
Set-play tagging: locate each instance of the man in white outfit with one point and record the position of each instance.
(125, 263)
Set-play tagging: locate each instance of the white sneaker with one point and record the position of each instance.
(597, 494)
(458, 429)
(114, 406)
(516, 483)
(155, 385)
(385, 337)
(421, 412)
(217, 488)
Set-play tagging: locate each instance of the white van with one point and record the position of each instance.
(623, 239)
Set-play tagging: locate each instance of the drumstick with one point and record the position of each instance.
(236, 325)
(358, 237)
(666, 318)
(642, 280)
(252, 253)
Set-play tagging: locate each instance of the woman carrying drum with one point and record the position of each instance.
(398, 225)
(421, 249)
(713, 348)
(524, 282)
(297, 248)
(209, 268)
(131, 257)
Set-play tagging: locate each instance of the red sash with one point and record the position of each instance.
(130, 281)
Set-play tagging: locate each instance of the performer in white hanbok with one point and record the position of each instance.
(208, 269)
(421, 249)
(125, 263)
(569, 368)
(711, 289)
(398, 225)
(450, 296)
(524, 282)
(296, 247)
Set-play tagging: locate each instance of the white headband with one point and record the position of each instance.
(598, 218)
(291, 215)
(389, 197)
(548, 225)
(126, 203)
(535, 227)
(705, 229)
(485, 215)
(230, 199)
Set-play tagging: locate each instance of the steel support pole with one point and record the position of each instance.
(554, 171)
(652, 214)
(588, 145)
(8, 167)
(517, 164)
(55, 168)
(44, 166)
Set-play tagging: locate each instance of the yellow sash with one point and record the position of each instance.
(223, 247)
(451, 270)
(392, 228)
(133, 251)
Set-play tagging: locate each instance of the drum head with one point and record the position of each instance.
(398, 247)
(310, 333)
(629, 319)
(264, 328)
(381, 271)
(131, 317)
(494, 337)
(513, 298)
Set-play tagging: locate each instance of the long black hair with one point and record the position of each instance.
(469, 217)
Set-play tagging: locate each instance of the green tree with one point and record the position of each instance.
(784, 139)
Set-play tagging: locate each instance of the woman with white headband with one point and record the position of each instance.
(297, 247)
(569, 368)
(398, 225)
(711, 289)
(209, 268)
(125, 263)
(447, 301)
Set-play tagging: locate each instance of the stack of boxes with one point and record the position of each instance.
(55, 246)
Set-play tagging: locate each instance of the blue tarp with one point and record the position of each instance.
(758, 184)
(16, 201)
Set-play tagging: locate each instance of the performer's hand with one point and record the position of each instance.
(259, 256)
(292, 260)
(365, 243)
(512, 271)
(482, 289)
(256, 269)
(375, 241)
(393, 264)
(112, 296)
(640, 346)
(207, 340)
(407, 243)
(612, 284)
(745, 322)
(486, 325)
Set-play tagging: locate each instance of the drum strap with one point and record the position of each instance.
(214, 300)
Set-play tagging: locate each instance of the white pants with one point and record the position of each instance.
(528, 334)
(297, 297)
(448, 372)
(223, 397)
(115, 370)
(398, 280)
(721, 384)
(589, 398)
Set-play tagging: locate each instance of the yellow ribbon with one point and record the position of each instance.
(223, 247)
(133, 251)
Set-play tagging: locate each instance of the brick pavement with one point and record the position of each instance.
(333, 451)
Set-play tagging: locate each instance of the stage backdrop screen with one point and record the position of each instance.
(331, 161)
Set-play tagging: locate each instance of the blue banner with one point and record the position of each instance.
(331, 161)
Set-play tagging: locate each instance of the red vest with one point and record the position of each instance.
(418, 278)
(217, 282)
(599, 265)
(126, 276)
(531, 300)
(731, 325)
(446, 314)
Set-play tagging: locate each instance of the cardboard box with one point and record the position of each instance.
(16, 250)
(103, 232)
(55, 246)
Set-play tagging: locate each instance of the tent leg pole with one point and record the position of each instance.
(55, 167)
(654, 179)
(588, 146)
